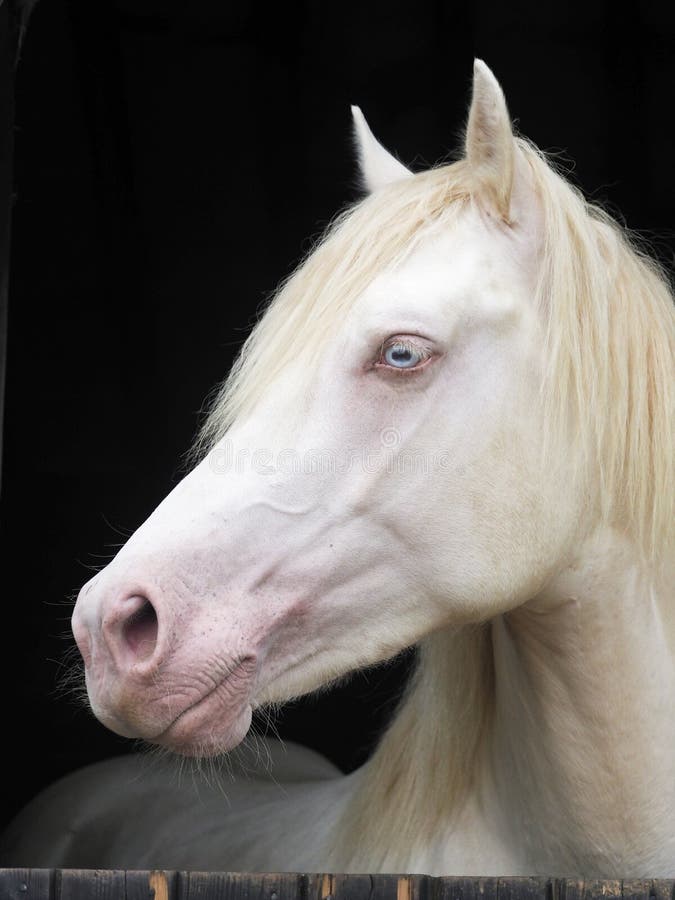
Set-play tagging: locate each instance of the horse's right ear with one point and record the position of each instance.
(378, 166)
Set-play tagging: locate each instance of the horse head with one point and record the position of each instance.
(379, 465)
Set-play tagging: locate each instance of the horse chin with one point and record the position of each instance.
(203, 723)
(202, 731)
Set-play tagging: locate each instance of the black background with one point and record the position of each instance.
(172, 164)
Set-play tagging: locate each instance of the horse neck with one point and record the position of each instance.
(539, 743)
(584, 721)
(423, 768)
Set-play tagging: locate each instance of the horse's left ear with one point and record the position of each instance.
(490, 146)
(378, 166)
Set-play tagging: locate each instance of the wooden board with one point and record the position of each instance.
(99, 884)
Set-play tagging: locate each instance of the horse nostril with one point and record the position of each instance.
(139, 632)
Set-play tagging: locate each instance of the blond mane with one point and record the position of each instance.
(610, 351)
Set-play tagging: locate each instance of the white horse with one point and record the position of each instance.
(453, 427)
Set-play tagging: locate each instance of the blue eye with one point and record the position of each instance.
(400, 356)
(403, 355)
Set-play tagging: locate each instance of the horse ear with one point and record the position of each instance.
(378, 166)
(490, 146)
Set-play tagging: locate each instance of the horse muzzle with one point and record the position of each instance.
(145, 680)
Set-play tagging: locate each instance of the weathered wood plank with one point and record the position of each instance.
(26, 884)
(137, 886)
(568, 889)
(661, 889)
(239, 886)
(467, 888)
(636, 890)
(90, 884)
(524, 888)
(329, 886)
